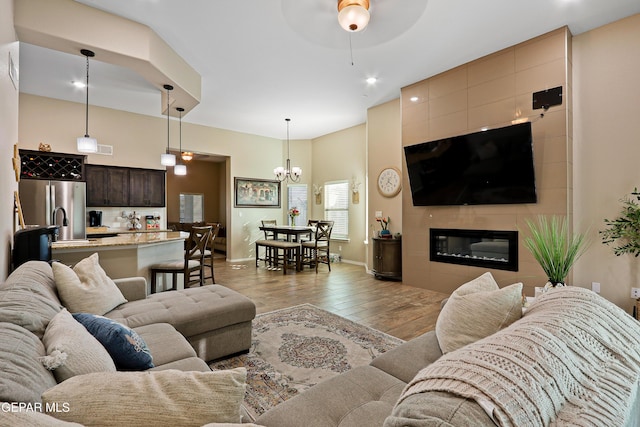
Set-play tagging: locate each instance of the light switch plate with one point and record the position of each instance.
(378, 214)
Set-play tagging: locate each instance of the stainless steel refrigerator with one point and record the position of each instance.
(60, 203)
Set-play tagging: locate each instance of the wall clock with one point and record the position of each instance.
(389, 182)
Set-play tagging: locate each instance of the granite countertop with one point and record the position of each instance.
(124, 239)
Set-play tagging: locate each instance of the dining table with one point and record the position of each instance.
(290, 232)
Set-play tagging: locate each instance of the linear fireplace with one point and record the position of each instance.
(479, 248)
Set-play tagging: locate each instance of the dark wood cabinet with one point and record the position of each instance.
(147, 187)
(387, 258)
(112, 186)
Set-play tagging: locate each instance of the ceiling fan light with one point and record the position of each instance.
(353, 15)
(180, 170)
(167, 159)
(86, 144)
(187, 156)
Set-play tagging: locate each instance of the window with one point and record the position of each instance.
(297, 198)
(336, 207)
(191, 207)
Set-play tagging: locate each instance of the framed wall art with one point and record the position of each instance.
(256, 193)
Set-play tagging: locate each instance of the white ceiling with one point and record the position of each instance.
(264, 60)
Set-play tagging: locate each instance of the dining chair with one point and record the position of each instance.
(313, 224)
(190, 266)
(269, 251)
(317, 251)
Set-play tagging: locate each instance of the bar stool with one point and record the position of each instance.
(190, 267)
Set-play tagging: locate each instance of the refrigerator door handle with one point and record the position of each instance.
(49, 203)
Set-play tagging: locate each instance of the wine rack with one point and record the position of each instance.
(48, 165)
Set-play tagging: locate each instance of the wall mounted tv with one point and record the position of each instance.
(482, 168)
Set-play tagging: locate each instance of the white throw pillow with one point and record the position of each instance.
(72, 350)
(86, 288)
(153, 398)
(476, 310)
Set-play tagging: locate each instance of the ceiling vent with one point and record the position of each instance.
(105, 150)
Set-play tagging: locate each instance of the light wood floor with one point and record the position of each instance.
(389, 306)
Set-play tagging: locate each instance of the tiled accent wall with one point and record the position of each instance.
(493, 91)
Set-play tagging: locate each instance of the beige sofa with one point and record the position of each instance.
(414, 385)
(182, 329)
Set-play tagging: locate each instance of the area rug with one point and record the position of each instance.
(295, 348)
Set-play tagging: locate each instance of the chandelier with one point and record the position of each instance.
(288, 173)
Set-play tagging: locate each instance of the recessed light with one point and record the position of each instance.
(484, 129)
(79, 85)
(414, 99)
(371, 80)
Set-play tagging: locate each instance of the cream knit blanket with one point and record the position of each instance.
(573, 359)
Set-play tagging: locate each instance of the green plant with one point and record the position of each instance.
(625, 230)
(555, 249)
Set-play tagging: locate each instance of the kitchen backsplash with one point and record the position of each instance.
(119, 217)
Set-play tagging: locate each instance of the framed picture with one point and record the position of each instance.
(256, 193)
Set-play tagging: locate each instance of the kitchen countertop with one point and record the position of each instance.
(124, 239)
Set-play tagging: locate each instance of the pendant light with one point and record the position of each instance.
(180, 169)
(86, 144)
(168, 159)
(288, 173)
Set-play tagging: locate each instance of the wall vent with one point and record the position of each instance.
(105, 150)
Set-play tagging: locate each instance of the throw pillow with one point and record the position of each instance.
(72, 350)
(127, 349)
(475, 310)
(153, 398)
(86, 288)
(22, 376)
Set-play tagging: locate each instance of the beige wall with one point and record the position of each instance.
(8, 133)
(607, 147)
(203, 177)
(491, 91)
(336, 157)
(384, 149)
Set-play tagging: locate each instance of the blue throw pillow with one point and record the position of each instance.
(127, 349)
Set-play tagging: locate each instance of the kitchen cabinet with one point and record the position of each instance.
(147, 187)
(113, 186)
(107, 186)
(387, 258)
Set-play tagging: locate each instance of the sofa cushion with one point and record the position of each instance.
(159, 398)
(406, 360)
(27, 305)
(437, 408)
(191, 311)
(22, 378)
(86, 288)
(127, 349)
(37, 275)
(165, 343)
(84, 354)
(475, 310)
(363, 396)
(32, 419)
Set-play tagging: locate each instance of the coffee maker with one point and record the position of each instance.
(95, 218)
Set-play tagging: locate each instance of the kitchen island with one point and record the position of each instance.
(124, 255)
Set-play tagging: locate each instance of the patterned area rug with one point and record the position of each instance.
(297, 347)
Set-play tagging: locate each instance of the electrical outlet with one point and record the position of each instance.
(635, 293)
(595, 287)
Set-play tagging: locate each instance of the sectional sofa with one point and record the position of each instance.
(181, 330)
(573, 358)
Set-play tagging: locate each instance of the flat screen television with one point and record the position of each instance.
(482, 168)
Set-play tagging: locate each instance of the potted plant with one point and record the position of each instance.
(625, 229)
(555, 249)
